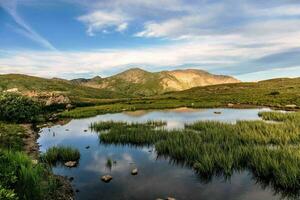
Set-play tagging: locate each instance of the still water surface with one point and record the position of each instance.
(158, 177)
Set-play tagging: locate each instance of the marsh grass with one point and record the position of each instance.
(107, 125)
(60, 154)
(23, 179)
(270, 151)
(11, 136)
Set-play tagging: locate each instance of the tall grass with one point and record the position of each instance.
(270, 151)
(107, 125)
(22, 178)
(60, 154)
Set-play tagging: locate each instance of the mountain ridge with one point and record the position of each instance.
(144, 83)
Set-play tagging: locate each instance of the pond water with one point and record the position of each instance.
(158, 177)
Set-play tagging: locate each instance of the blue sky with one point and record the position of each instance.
(249, 39)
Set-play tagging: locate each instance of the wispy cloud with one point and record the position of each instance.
(100, 21)
(11, 7)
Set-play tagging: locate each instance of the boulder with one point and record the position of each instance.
(106, 178)
(57, 99)
(291, 106)
(134, 171)
(70, 164)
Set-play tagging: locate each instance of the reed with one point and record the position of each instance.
(270, 151)
(60, 154)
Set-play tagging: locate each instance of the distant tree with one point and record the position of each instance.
(18, 108)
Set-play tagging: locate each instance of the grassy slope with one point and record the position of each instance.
(75, 92)
(275, 92)
(146, 83)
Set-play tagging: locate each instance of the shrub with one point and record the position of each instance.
(17, 108)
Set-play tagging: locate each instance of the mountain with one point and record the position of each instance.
(139, 82)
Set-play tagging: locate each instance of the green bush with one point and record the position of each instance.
(17, 108)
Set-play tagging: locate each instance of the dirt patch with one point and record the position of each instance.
(31, 146)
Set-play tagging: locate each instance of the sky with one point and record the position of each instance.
(248, 39)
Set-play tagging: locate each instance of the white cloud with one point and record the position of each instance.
(101, 20)
(11, 7)
(210, 53)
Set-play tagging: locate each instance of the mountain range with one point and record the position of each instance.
(139, 82)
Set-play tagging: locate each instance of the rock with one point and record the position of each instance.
(57, 99)
(87, 147)
(230, 105)
(34, 162)
(170, 198)
(217, 112)
(12, 90)
(134, 171)
(71, 178)
(70, 164)
(106, 178)
(76, 190)
(85, 130)
(291, 106)
(67, 130)
(69, 106)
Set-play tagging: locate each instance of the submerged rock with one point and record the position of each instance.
(134, 171)
(70, 164)
(87, 147)
(217, 112)
(106, 178)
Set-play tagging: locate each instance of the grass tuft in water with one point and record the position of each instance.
(60, 154)
(269, 150)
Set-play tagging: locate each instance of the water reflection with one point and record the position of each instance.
(158, 177)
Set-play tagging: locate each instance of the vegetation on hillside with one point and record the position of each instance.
(269, 150)
(18, 108)
(276, 93)
(75, 92)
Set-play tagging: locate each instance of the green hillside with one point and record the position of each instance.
(26, 83)
(274, 92)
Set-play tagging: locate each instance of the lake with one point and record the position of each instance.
(158, 177)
